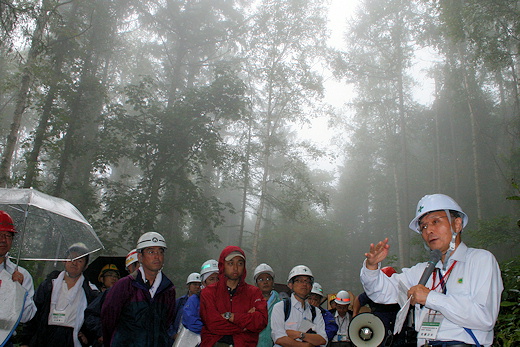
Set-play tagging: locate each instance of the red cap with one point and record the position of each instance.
(6, 222)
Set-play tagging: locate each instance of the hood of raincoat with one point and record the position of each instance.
(222, 260)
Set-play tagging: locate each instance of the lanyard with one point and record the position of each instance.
(442, 279)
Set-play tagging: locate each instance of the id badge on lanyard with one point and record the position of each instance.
(431, 320)
(58, 317)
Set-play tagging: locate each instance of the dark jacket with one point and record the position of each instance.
(92, 323)
(215, 300)
(131, 317)
(38, 332)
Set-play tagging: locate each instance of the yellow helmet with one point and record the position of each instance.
(105, 269)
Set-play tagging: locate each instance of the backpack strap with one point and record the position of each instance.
(313, 312)
(287, 309)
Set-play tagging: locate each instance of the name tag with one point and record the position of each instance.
(429, 330)
(58, 317)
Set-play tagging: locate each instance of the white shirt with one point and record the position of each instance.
(279, 325)
(29, 309)
(342, 322)
(472, 298)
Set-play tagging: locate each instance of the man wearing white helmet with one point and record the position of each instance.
(264, 279)
(342, 317)
(459, 303)
(140, 307)
(294, 322)
(193, 284)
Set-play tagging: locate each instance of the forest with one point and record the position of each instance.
(182, 117)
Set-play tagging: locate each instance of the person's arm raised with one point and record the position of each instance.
(376, 254)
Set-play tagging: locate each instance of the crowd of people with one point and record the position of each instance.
(455, 300)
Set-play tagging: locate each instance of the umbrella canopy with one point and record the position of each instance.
(47, 226)
(94, 268)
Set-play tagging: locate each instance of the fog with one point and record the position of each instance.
(265, 125)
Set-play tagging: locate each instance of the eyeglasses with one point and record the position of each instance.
(424, 226)
(7, 236)
(154, 252)
(269, 279)
(302, 281)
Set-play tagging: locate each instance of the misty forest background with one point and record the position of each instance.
(182, 117)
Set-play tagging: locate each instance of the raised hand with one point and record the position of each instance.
(377, 254)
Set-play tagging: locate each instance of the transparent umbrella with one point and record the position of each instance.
(47, 226)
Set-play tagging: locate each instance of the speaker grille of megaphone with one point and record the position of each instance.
(366, 330)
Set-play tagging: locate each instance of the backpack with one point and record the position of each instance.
(287, 309)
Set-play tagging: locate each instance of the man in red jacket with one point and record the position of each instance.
(233, 312)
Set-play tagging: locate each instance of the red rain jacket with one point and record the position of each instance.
(215, 300)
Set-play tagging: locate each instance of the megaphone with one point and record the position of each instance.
(366, 330)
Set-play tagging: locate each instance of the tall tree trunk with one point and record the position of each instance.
(23, 93)
(403, 260)
(246, 171)
(474, 132)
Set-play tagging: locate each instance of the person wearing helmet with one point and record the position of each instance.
(61, 300)
(140, 307)
(332, 303)
(191, 316)
(460, 300)
(131, 261)
(17, 273)
(294, 321)
(315, 299)
(386, 312)
(108, 276)
(264, 279)
(342, 317)
(193, 284)
(233, 312)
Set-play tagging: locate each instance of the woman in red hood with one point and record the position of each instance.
(233, 312)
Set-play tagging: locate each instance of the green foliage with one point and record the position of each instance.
(507, 328)
(494, 231)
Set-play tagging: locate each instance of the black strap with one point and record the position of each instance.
(287, 309)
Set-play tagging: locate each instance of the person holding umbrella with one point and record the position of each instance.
(17, 273)
(61, 301)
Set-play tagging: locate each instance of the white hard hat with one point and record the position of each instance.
(193, 277)
(261, 269)
(435, 202)
(209, 266)
(316, 289)
(131, 257)
(342, 298)
(300, 270)
(150, 239)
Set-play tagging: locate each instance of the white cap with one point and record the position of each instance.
(234, 254)
(435, 202)
(342, 298)
(261, 269)
(151, 239)
(316, 289)
(300, 270)
(208, 267)
(193, 277)
(131, 257)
